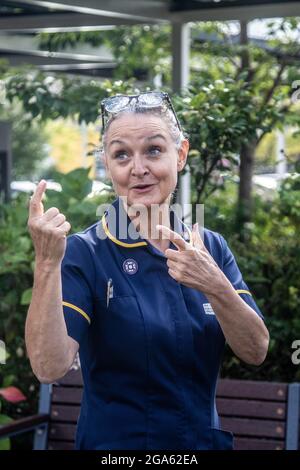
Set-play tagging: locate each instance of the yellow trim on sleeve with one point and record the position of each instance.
(242, 291)
(85, 315)
(115, 240)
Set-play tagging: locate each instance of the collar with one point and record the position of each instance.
(119, 229)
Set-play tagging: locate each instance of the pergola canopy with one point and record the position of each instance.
(34, 14)
(21, 20)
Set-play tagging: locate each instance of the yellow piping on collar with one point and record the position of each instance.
(115, 240)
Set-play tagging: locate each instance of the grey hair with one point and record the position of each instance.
(162, 111)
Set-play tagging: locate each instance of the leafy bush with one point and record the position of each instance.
(10, 395)
(269, 261)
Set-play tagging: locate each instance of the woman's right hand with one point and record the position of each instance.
(48, 229)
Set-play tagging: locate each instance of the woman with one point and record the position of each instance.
(147, 303)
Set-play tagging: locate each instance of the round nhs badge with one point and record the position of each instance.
(130, 266)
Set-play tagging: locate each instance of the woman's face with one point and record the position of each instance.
(141, 158)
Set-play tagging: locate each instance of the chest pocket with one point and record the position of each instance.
(199, 308)
(209, 340)
(204, 320)
(120, 333)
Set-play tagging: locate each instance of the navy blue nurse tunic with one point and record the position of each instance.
(150, 347)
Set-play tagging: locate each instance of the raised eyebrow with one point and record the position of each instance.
(156, 136)
(116, 141)
(152, 137)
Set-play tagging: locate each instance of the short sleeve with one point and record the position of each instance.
(232, 272)
(77, 287)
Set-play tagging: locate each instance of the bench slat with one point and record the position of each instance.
(61, 445)
(254, 427)
(72, 378)
(62, 432)
(240, 427)
(270, 391)
(68, 413)
(251, 408)
(257, 444)
(67, 395)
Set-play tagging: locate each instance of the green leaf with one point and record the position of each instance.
(8, 380)
(5, 444)
(4, 419)
(26, 296)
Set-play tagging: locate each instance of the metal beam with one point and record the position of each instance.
(104, 70)
(57, 22)
(22, 50)
(246, 13)
(69, 66)
(54, 56)
(134, 9)
(22, 58)
(29, 44)
(89, 70)
(159, 10)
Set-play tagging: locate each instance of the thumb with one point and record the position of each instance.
(196, 238)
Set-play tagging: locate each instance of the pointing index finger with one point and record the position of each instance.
(173, 236)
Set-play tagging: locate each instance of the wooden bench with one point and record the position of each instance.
(262, 415)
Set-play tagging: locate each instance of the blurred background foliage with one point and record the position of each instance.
(269, 260)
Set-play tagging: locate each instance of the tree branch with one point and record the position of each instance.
(276, 82)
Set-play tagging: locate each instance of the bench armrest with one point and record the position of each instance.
(23, 425)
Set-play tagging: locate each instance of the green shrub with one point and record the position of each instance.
(269, 261)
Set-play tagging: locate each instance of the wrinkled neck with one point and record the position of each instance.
(145, 220)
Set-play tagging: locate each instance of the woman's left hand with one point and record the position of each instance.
(192, 265)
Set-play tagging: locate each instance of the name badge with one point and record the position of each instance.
(208, 309)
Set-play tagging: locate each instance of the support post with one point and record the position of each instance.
(180, 79)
